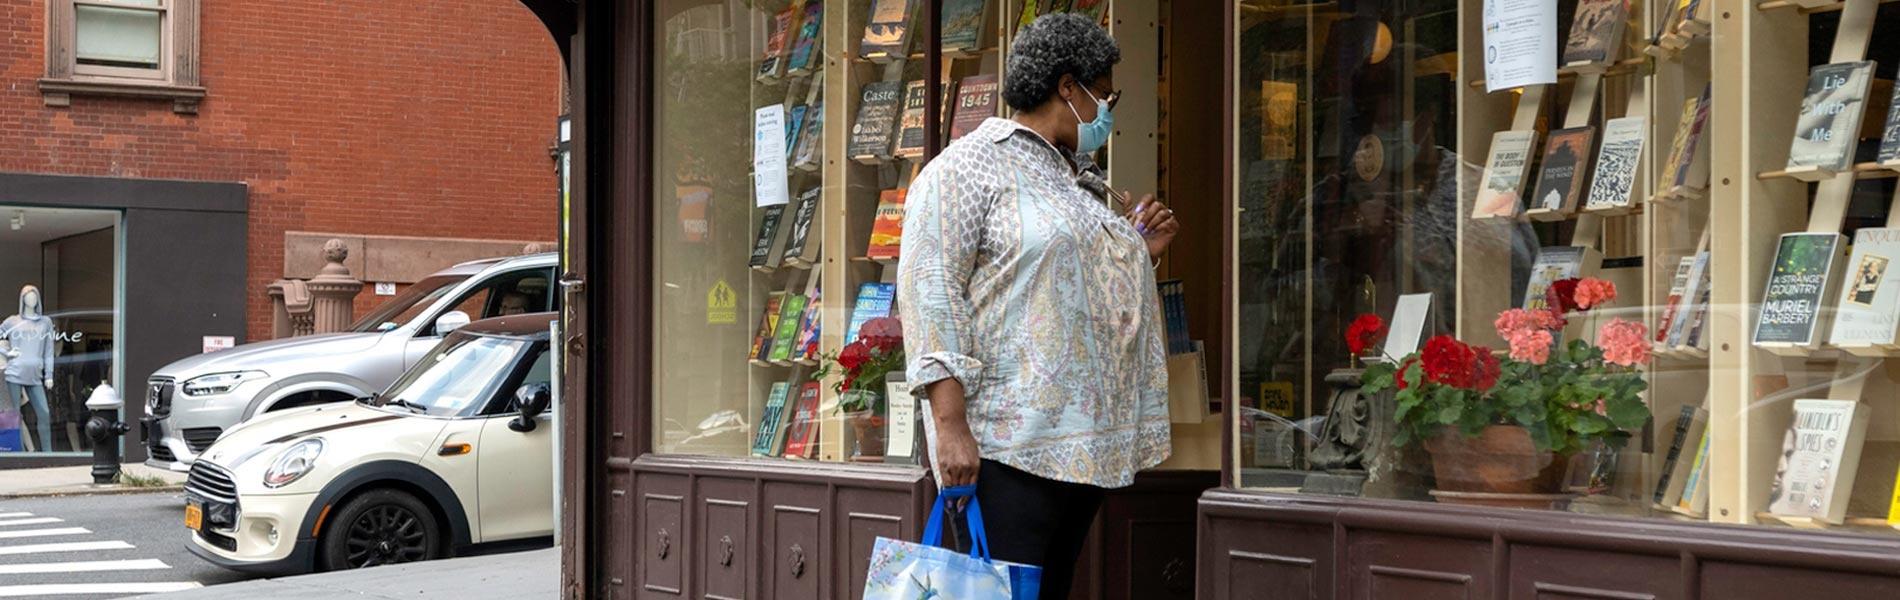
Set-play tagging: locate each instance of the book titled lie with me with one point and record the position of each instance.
(1566, 166)
(887, 231)
(1595, 34)
(1869, 315)
(876, 125)
(1828, 128)
(1504, 172)
(1617, 161)
(1819, 458)
(1802, 281)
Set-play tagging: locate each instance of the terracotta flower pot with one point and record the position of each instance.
(1501, 459)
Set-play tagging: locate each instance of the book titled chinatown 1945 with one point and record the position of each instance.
(1829, 126)
(1802, 282)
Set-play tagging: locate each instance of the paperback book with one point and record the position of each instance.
(1617, 161)
(1595, 34)
(910, 130)
(772, 64)
(1890, 134)
(1799, 285)
(771, 434)
(1829, 126)
(1672, 306)
(768, 247)
(801, 251)
(1694, 299)
(1565, 167)
(1694, 499)
(805, 345)
(976, 101)
(1504, 173)
(887, 34)
(794, 125)
(791, 316)
(962, 26)
(802, 440)
(1689, 428)
(807, 46)
(768, 330)
(1666, 177)
(873, 132)
(1554, 263)
(874, 300)
(1691, 171)
(1174, 316)
(1819, 457)
(887, 231)
(1869, 314)
(806, 156)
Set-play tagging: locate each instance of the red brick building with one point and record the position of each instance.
(157, 157)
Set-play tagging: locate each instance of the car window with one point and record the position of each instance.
(406, 305)
(540, 372)
(512, 293)
(456, 378)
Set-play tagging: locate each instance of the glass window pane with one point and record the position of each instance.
(118, 37)
(65, 334)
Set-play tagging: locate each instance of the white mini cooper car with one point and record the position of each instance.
(458, 452)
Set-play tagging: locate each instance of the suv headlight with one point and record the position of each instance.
(293, 463)
(219, 383)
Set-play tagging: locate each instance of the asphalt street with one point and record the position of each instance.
(107, 546)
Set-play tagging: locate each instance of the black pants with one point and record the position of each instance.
(1032, 521)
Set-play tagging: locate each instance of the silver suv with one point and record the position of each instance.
(191, 402)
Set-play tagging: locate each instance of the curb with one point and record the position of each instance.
(88, 491)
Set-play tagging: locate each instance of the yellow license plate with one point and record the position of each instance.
(194, 517)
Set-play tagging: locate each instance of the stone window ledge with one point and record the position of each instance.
(59, 92)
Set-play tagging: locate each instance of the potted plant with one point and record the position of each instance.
(1502, 427)
(864, 364)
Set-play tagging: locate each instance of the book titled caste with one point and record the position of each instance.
(873, 132)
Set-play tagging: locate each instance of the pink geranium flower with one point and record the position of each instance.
(1531, 346)
(1624, 343)
(1593, 292)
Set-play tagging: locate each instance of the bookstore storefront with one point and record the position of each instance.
(1577, 299)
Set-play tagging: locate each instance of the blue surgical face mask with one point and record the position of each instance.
(1091, 136)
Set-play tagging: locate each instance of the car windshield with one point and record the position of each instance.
(408, 304)
(456, 378)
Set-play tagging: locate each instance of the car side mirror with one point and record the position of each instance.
(450, 321)
(533, 400)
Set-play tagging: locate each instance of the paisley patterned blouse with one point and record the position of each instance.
(1028, 290)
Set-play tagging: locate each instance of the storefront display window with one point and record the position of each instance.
(61, 271)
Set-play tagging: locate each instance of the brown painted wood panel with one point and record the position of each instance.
(1556, 573)
(1239, 557)
(618, 566)
(662, 536)
(867, 515)
(1422, 567)
(793, 542)
(723, 539)
(1722, 580)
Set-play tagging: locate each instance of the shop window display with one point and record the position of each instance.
(58, 342)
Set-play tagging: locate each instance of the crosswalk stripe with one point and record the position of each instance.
(65, 547)
(32, 521)
(14, 515)
(53, 589)
(90, 566)
(24, 533)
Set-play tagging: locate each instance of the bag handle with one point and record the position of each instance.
(973, 514)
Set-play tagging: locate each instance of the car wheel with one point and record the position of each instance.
(380, 527)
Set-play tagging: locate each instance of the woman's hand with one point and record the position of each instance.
(1155, 222)
(957, 457)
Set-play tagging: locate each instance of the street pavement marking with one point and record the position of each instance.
(32, 521)
(14, 515)
(90, 566)
(23, 533)
(54, 589)
(65, 547)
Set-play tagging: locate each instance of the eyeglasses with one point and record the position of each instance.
(1113, 96)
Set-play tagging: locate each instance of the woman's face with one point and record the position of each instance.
(1078, 95)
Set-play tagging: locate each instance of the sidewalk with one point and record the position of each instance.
(531, 574)
(69, 481)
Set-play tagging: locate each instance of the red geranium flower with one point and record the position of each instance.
(1447, 361)
(853, 356)
(1562, 295)
(882, 333)
(1365, 331)
(1398, 377)
(1487, 372)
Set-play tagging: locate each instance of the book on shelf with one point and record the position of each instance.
(1828, 129)
(1620, 155)
(1869, 301)
(1504, 171)
(801, 249)
(1893, 508)
(887, 231)
(807, 47)
(1672, 305)
(910, 126)
(976, 101)
(1660, 42)
(805, 344)
(1801, 282)
(810, 150)
(1031, 10)
(1690, 173)
(1695, 20)
(1555, 263)
(1174, 317)
(1596, 33)
(1411, 319)
(874, 300)
(794, 125)
(1698, 314)
(802, 439)
(887, 33)
(791, 316)
(962, 28)
(1819, 457)
(778, 45)
(1690, 426)
(771, 432)
(1889, 155)
(1694, 299)
(768, 247)
(873, 132)
(1565, 167)
(1666, 172)
(767, 332)
(1694, 499)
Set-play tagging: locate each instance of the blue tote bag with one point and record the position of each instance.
(903, 570)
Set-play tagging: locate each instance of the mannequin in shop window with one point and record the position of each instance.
(27, 339)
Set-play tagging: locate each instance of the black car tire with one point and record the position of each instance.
(379, 527)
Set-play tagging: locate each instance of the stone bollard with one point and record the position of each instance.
(333, 290)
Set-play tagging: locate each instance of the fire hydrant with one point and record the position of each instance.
(104, 429)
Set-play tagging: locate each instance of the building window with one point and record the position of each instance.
(145, 48)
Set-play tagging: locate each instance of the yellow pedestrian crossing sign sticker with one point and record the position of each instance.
(722, 305)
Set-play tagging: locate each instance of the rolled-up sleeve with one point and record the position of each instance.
(943, 232)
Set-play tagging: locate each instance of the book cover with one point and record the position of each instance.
(768, 328)
(962, 26)
(1690, 426)
(1672, 306)
(1869, 312)
(1698, 318)
(772, 63)
(887, 34)
(887, 232)
(1693, 293)
(791, 316)
(810, 150)
(874, 300)
(1504, 175)
(1565, 167)
(802, 439)
(801, 250)
(910, 130)
(976, 101)
(1031, 10)
(810, 40)
(1617, 161)
(765, 441)
(872, 133)
(1819, 457)
(1829, 126)
(1695, 491)
(794, 125)
(1890, 134)
(1666, 176)
(1554, 263)
(1797, 289)
(1692, 170)
(1596, 34)
(805, 345)
(768, 245)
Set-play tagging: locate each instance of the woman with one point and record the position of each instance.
(1029, 306)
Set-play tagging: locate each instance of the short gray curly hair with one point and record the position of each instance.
(1050, 47)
